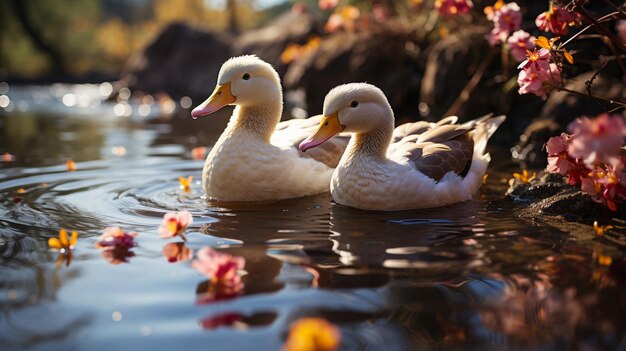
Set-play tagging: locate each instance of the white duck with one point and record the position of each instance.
(256, 158)
(417, 165)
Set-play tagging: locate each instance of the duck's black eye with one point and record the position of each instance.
(354, 104)
(326, 124)
(246, 76)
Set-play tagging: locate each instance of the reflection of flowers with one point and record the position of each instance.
(209, 291)
(116, 245)
(175, 223)
(222, 320)
(529, 309)
(176, 252)
(117, 255)
(222, 270)
(312, 334)
(66, 256)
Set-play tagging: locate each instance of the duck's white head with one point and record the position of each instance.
(244, 81)
(354, 107)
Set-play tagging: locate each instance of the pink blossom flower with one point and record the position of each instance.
(222, 270)
(116, 245)
(506, 18)
(557, 20)
(175, 223)
(604, 185)
(558, 160)
(327, 4)
(453, 7)
(597, 140)
(519, 43)
(538, 75)
(621, 30)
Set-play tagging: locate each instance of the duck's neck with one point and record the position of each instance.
(258, 121)
(373, 144)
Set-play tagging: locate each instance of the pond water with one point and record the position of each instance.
(472, 275)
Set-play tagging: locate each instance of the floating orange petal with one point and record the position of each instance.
(600, 229)
(63, 243)
(312, 334)
(118, 150)
(7, 157)
(54, 243)
(198, 153)
(525, 176)
(71, 165)
(185, 183)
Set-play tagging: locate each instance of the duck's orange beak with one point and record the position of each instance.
(329, 127)
(221, 97)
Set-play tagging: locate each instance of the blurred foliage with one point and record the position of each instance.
(99, 36)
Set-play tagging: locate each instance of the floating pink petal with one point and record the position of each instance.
(115, 237)
(174, 224)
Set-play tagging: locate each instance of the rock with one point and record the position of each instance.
(181, 61)
(292, 27)
(449, 65)
(385, 56)
(530, 150)
(560, 109)
(550, 195)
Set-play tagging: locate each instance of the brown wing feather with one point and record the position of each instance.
(435, 149)
(454, 155)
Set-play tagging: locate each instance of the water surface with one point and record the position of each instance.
(472, 275)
